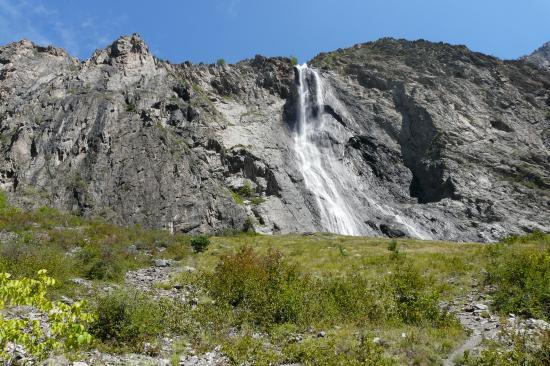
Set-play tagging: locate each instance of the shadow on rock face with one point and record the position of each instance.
(421, 150)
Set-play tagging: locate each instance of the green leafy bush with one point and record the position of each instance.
(200, 243)
(293, 60)
(520, 271)
(263, 288)
(220, 62)
(66, 324)
(69, 246)
(415, 303)
(101, 262)
(129, 319)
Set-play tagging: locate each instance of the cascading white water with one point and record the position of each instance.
(319, 168)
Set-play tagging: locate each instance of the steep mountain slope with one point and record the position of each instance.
(433, 140)
(540, 57)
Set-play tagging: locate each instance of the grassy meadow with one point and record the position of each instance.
(317, 299)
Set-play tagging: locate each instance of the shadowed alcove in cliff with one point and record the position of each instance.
(421, 151)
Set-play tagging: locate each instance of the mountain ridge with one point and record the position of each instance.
(139, 140)
(540, 57)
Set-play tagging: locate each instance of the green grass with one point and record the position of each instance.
(237, 198)
(351, 288)
(266, 299)
(69, 246)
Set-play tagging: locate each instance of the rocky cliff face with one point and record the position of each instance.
(540, 57)
(436, 141)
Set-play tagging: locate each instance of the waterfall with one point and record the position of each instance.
(321, 168)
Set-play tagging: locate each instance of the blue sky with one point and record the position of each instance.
(205, 30)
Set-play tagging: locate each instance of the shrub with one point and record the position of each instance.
(246, 190)
(520, 272)
(131, 107)
(4, 205)
(237, 198)
(393, 248)
(100, 270)
(25, 256)
(101, 262)
(268, 290)
(200, 243)
(128, 319)
(293, 60)
(415, 302)
(66, 324)
(350, 298)
(264, 288)
(257, 200)
(248, 226)
(220, 62)
(345, 351)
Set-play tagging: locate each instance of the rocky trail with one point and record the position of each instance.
(473, 312)
(154, 280)
(474, 315)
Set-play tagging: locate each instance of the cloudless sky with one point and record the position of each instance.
(205, 30)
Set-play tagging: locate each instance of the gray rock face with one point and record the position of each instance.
(540, 57)
(439, 141)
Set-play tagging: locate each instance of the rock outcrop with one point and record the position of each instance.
(440, 142)
(540, 57)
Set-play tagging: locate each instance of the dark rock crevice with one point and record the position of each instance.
(421, 147)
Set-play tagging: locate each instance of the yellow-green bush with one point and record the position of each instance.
(67, 324)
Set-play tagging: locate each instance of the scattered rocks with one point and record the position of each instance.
(161, 263)
(19, 357)
(66, 300)
(97, 358)
(480, 307)
(188, 269)
(155, 279)
(82, 282)
(213, 358)
(483, 325)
